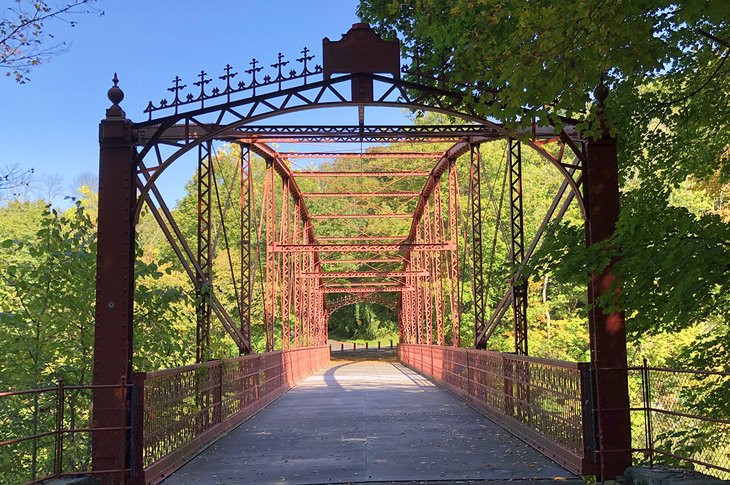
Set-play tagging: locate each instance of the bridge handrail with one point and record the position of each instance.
(181, 410)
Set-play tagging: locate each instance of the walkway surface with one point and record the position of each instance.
(368, 422)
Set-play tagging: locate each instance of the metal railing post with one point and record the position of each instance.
(137, 434)
(646, 392)
(58, 456)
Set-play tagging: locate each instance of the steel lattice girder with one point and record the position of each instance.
(375, 155)
(364, 274)
(475, 203)
(370, 289)
(336, 195)
(519, 287)
(246, 276)
(359, 248)
(380, 173)
(204, 253)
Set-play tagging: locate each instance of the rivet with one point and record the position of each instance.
(110, 304)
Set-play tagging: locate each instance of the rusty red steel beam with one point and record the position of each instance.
(359, 284)
(364, 155)
(361, 216)
(380, 173)
(372, 289)
(361, 261)
(340, 195)
(364, 274)
(360, 248)
(361, 238)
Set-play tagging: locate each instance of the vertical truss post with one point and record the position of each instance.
(205, 251)
(296, 279)
(607, 330)
(246, 279)
(309, 291)
(454, 255)
(115, 256)
(517, 252)
(285, 281)
(270, 290)
(429, 281)
(437, 267)
(475, 205)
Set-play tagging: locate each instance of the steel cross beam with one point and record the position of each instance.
(339, 195)
(359, 248)
(361, 261)
(380, 173)
(361, 238)
(364, 274)
(360, 216)
(375, 155)
(362, 289)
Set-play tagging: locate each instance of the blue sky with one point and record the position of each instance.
(51, 123)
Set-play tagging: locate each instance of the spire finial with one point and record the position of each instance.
(115, 95)
(600, 93)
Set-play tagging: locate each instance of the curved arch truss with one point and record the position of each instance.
(362, 222)
(420, 264)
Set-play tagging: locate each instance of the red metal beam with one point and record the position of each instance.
(364, 274)
(364, 155)
(372, 289)
(361, 238)
(361, 216)
(335, 195)
(359, 248)
(361, 261)
(318, 174)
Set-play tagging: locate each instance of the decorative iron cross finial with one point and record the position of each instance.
(227, 78)
(253, 72)
(203, 81)
(304, 60)
(279, 65)
(175, 90)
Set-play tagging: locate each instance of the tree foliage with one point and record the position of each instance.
(25, 38)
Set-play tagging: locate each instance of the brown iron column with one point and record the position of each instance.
(517, 252)
(203, 289)
(476, 242)
(113, 342)
(607, 330)
(246, 280)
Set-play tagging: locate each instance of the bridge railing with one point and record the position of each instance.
(545, 402)
(45, 433)
(182, 409)
(681, 417)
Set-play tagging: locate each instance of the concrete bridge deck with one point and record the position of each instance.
(366, 422)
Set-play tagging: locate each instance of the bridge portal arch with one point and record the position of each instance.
(361, 70)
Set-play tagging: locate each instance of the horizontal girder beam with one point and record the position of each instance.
(360, 216)
(362, 261)
(361, 238)
(404, 173)
(359, 248)
(340, 195)
(364, 155)
(373, 289)
(364, 274)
